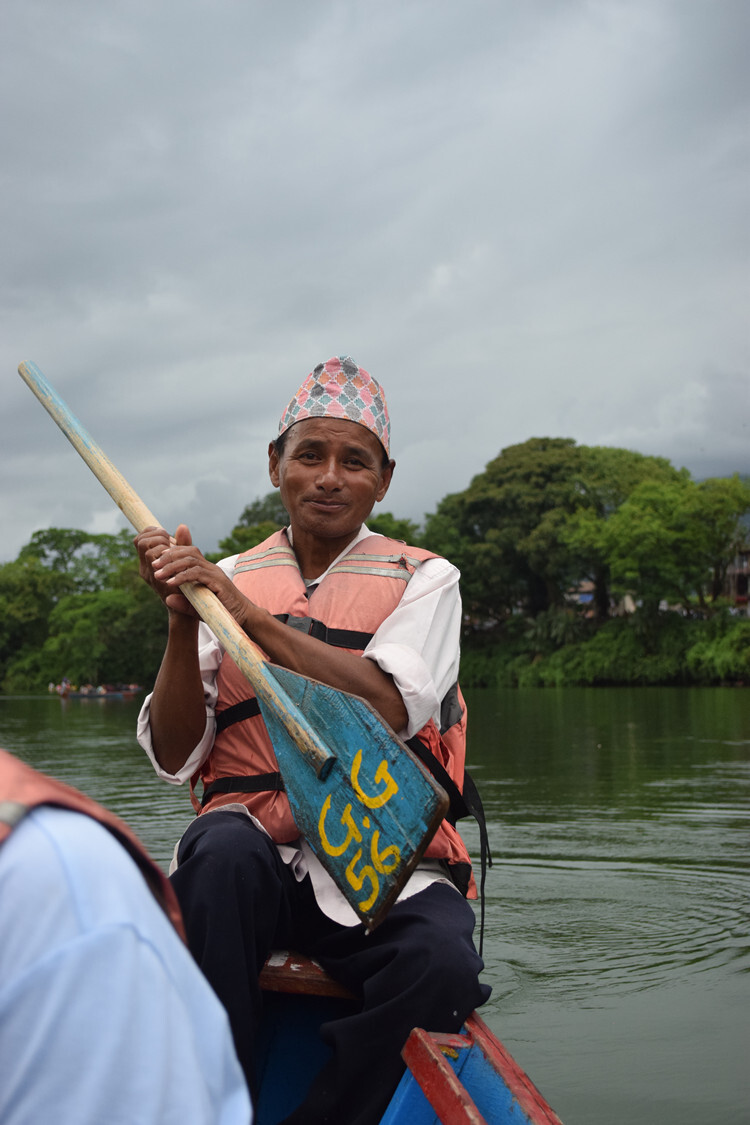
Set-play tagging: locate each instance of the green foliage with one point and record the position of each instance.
(88, 562)
(106, 636)
(243, 538)
(721, 653)
(673, 649)
(386, 524)
(720, 519)
(73, 604)
(607, 477)
(555, 628)
(84, 633)
(258, 520)
(673, 541)
(544, 517)
(481, 666)
(443, 531)
(531, 527)
(266, 509)
(28, 593)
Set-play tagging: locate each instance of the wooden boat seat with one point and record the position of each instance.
(286, 971)
(298, 996)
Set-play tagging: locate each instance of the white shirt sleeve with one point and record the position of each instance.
(419, 644)
(104, 1015)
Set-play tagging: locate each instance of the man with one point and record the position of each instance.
(103, 1013)
(367, 615)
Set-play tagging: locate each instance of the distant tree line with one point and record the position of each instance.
(591, 565)
(580, 565)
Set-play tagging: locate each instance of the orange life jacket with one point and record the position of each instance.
(23, 789)
(345, 609)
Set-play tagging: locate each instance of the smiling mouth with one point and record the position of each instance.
(326, 507)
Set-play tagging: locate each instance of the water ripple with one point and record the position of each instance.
(594, 928)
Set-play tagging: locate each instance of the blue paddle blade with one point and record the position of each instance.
(373, 813)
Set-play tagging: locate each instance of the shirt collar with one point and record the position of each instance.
(361, 534)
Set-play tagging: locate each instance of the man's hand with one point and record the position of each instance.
(151, 545)
(167, 563)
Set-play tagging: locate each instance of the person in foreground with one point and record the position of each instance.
(104, 1016)
(369, 615)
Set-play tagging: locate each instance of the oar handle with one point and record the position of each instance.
(239, 646)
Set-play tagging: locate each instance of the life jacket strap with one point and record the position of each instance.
(257, 783)
(339, 638)
(461, 804)
(245, 709)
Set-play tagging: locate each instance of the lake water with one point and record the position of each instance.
(617, 939)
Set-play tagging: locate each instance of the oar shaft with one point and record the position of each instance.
(101, 466)
(204, 601)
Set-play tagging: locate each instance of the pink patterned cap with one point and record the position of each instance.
(340, 389)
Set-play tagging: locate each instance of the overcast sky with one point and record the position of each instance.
(524, 219)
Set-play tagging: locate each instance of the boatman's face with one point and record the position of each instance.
(331, 474)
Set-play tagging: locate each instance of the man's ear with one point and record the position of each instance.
(386, 476)
(273, 464)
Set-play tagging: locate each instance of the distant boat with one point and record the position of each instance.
(462, 1079)
(104, 691)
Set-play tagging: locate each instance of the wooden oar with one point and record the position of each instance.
(364, 802)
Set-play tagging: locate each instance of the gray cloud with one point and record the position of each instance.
(524, 219)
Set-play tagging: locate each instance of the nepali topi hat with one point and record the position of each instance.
(341, 389)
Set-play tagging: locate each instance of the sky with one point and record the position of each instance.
(523, 219)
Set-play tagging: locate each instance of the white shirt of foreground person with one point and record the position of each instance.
(105, 1019)
(418, 645)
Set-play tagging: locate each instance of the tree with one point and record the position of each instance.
(100, 637)
(503, 531)
(258, 520)
(607, 478)
(84, 632)
(531, 528)
(384, 523)
(720, 517)
(673, 540)
(266, 509)
(73, 604)
(28, 593)
(87, 561)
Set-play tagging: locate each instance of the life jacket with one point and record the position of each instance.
(23, 789)
(359, 592)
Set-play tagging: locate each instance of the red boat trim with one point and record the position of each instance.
(438, 1081)
(523, 1090)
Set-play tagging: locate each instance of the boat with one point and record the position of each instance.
(103, 692)
(467, 1078)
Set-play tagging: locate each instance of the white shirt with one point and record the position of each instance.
(104, 1015)
(418, 645)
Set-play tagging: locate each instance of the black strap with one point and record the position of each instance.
(258, 783)
(339, 638)
(247, 709)
(461, 804)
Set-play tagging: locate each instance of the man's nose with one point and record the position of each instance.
(329, 473)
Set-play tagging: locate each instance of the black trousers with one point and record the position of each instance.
(418, 968)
